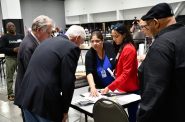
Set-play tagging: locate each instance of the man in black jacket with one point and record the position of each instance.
(9, 45)
(162, 73)
(48, 84)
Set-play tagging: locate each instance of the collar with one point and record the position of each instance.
(64, 36)
(35, 37)
(169, 28)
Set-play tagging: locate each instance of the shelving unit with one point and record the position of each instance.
(105, 27)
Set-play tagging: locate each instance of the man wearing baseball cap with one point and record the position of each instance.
(162, 73)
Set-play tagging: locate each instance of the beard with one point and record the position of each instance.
(11, 31)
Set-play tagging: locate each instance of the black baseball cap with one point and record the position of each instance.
(161, 10)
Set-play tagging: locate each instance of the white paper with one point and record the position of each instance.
(111, 73)
(141, 49)
(125, 99)
(87, 96)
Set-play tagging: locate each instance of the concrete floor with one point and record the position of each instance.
(8, 111)
(11, 113)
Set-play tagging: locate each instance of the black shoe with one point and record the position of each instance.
(11, 98)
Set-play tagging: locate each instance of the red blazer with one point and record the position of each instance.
(126, 71)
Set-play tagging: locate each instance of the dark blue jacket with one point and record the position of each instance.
(26, 49)
(48, 84)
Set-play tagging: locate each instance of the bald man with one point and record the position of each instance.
(9, 45)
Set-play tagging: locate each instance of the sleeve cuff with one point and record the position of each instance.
(112, 87)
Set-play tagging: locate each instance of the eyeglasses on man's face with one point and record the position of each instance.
(144, 26)
(148, 23)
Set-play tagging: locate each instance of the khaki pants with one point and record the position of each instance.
(11, 65)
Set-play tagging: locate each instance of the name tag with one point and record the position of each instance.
(103, 74)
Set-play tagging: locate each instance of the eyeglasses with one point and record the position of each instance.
(146, 25)
(143, 26)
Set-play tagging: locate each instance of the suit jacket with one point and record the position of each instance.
(48, 84)
(26, 49)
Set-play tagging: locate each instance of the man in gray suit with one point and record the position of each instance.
(48, 84)
(41, 30)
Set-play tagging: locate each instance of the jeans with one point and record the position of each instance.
(31, 117)
(132, 109)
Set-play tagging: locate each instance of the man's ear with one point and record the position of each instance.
(157, 23)
(78, 40)
(73, 39)
(78, 37)
(38, 29)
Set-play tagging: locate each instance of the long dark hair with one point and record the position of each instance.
(121, 28)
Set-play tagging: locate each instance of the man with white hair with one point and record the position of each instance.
(48, 84)
(73, 34)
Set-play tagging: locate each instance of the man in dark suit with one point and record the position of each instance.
(48, 84)
(41, 30)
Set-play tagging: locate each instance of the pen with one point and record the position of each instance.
(111, 73)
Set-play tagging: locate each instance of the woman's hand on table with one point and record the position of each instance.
(94, 92)
(105, 91)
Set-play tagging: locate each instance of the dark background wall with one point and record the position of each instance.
(18, 24)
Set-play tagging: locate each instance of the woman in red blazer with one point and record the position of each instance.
(126, 67)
